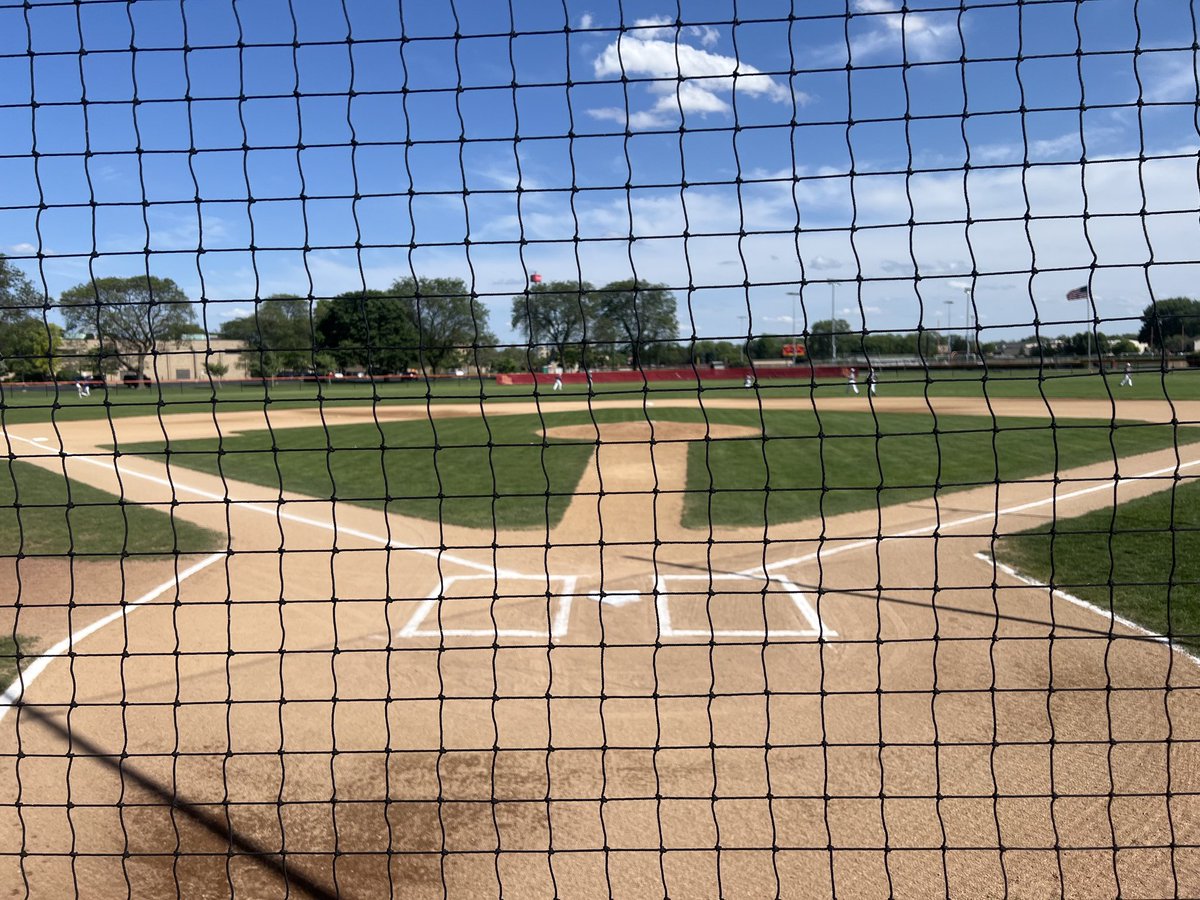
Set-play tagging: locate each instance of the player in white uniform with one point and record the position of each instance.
(1127, 381)
(872, 379)
(852, 382)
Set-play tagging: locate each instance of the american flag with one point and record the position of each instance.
(1080, 293)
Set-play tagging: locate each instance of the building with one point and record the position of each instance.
(186, 359)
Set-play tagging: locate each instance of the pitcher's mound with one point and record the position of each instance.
(644, 432)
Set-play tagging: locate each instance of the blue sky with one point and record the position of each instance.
(791, 148)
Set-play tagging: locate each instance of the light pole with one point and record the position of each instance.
(949, 328)
(833, 320)
(742, 345)
(795, 348)
(967, 334)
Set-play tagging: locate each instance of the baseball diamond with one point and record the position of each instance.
(613, 450)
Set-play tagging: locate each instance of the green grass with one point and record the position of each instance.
(10, 648)
(93, 524)
(41, 403)
(853, 461)
(1149, 546)
(843, 451)
(421, 462)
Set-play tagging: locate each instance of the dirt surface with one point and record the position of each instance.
(618, 707)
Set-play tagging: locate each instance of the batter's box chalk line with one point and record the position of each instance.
(662, 594)
(563, 588)
(563, 596)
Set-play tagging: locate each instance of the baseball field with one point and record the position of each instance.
(631, 643)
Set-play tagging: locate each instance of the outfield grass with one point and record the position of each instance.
(37, 404)
(838, 463)
(35, 519)
(1151, 547)
(9, 646)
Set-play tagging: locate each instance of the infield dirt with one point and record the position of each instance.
(404, 708)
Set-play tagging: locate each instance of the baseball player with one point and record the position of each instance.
(872, 379)
(1127, 381)
(852, 382)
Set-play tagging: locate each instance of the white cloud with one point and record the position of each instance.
(586, 20)
(693, 80)
(924, 36)
(1170, 77)
(706, 33)
(22, 249)
(823, 263)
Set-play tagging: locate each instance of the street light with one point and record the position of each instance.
(795, 348)
(949, 328)
(832, 321)
(969, 301)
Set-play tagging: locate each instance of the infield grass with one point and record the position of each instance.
(12, 648)
(44, 513)
(1150, 547)
(498, 472)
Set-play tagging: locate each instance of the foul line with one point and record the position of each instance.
(823, 551)
(1084, 604)
(273, 512)
(28, 675)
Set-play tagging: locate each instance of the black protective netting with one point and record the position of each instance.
(542, 449)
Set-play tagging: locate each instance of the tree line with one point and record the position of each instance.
(422, 324)
(433, 324)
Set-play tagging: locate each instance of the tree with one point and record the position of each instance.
(557, 313)
(767, 347)
(215, 369)
(451, 324)
(18, 296)
(1085, 343)
(29, 347)
(707, 352)
(367, 328)
(28, 343)
(1168, 324)
(278, 332)
(820, 343)
(129, 316)
(636, 316)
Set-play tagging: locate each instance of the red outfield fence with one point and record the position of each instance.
(705, 373)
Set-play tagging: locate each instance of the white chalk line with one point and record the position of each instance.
(27, 676)
(662, 594)
(412, 629)
(1084, 604)
(273, 512)
(825, 551)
